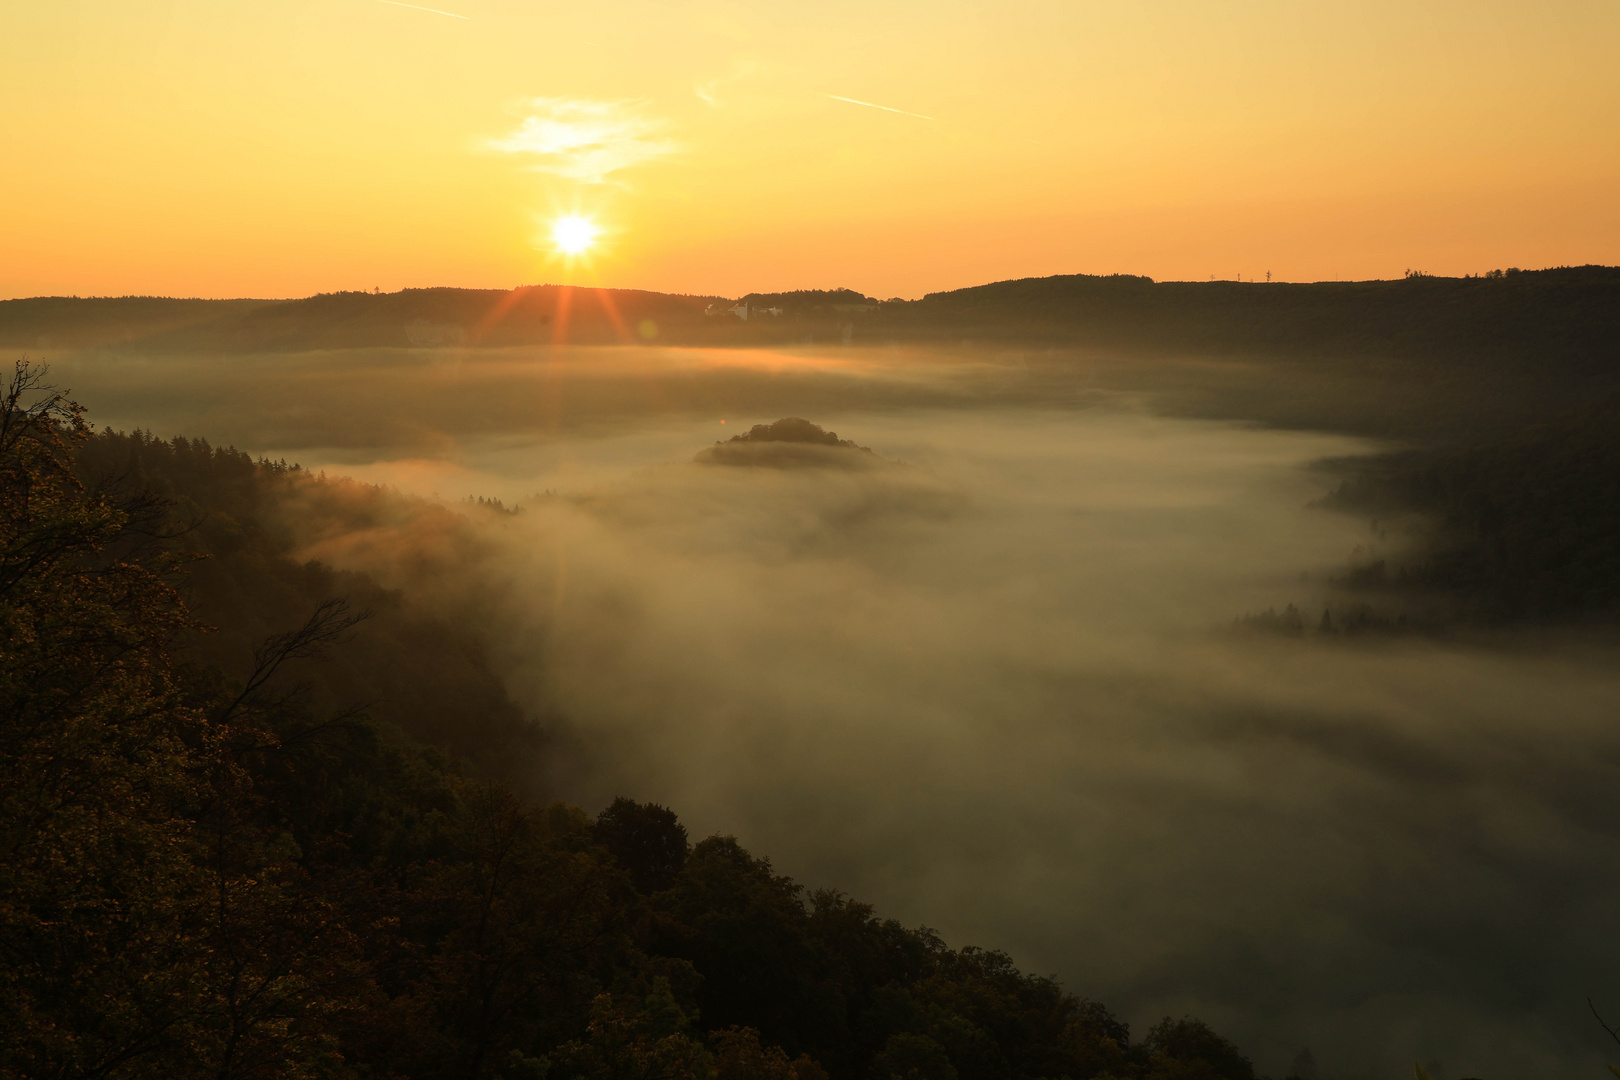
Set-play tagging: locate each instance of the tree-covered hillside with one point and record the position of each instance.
(431, 318)
(1526, 527)
(410, 671)
(65, 322)
(1568, 316)
(1561, 321)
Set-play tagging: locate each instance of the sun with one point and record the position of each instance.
(574, 235)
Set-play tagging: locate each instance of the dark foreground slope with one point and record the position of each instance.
(207, 872)
(408, 670)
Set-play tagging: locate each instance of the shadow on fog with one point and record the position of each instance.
(993, 688)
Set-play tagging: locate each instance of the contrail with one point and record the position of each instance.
(418, 7)
(885, 108)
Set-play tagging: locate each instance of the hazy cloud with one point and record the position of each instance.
(587, 141)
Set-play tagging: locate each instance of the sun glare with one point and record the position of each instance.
(574, 235)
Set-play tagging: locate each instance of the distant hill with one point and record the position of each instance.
(801, 302)
(1568, 313)
(58, 322)
(420, 317)
(789, 443)
(1568, 318)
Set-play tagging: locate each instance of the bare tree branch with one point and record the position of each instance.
(329, 625)
(1600, 1020)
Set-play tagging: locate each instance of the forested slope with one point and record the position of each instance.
(59, 322)
(437, 317)
(1526, 527)
(1568, 317)
(406, 669)
(1562, 322)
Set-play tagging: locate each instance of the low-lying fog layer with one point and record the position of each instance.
(994, 687)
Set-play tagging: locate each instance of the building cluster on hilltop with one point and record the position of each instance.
(742, 311)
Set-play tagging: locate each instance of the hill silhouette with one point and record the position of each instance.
(1566, 314)
(1563, 321)
(539, 314)
(57, 322)
(789, 443)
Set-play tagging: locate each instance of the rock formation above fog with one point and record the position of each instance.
(789, 443)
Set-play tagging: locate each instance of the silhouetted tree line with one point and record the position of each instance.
(1567, 317)
(1560, 322)
(206, 872)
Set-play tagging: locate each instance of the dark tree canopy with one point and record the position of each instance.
(646, 839)
(1189, 1040)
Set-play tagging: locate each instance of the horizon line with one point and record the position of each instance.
(773, 292)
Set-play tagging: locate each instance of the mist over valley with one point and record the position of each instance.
(1141, 666)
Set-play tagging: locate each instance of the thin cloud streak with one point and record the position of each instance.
(418, 7)
(885, 108)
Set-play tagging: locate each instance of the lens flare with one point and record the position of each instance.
(574, 235)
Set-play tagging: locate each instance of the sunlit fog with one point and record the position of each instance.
(993, 680)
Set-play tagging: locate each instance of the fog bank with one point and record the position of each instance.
(992, 686)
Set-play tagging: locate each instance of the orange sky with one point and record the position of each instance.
(213, 148)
